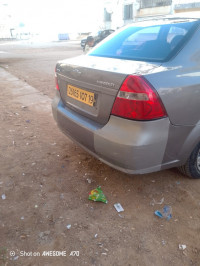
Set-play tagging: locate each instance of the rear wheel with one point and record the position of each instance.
(192, 166)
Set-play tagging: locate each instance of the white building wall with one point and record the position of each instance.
(4, 22)
(116, 8)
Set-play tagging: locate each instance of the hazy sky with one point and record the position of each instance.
(67, 15)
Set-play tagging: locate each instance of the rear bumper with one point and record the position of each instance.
(129, 146)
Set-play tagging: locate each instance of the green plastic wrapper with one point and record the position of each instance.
(97, 195)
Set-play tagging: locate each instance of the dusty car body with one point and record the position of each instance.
(134, 100)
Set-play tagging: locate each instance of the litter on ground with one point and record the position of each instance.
(118, 207)
(97, 195)
(165, 213)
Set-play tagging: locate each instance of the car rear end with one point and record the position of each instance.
(110, 104)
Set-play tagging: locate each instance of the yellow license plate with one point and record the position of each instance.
(81, 95)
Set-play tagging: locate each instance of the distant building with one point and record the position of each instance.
(6, 28)
(118, 13)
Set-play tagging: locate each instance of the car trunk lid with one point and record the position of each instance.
(89, 85)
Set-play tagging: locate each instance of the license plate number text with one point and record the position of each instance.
(81, 95)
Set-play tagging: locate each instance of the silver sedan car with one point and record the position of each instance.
(134, 100)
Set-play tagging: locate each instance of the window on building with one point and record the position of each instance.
(107, 16)
(128, 12)
(154, 3)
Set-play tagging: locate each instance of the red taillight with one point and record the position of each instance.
(138, 100)
(56, 81)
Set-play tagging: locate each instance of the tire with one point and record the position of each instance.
(192, 166)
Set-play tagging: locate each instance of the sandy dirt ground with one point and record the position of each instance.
(45, 180)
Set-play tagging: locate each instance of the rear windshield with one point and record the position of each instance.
(156, 43)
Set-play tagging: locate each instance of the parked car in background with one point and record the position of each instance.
(98, 36)
(134, 100)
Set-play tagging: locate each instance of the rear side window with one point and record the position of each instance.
(151, 43)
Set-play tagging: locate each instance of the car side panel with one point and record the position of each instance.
(181, 142)
(178, 84)
(177, 137)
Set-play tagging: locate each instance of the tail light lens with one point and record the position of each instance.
(138, 100)
(56, 81)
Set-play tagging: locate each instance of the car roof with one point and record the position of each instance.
(194, 15)
(186, 16)
(152, 22)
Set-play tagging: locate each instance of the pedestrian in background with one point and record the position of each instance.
(89, 44)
